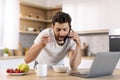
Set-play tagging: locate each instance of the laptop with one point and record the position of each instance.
(103, 64)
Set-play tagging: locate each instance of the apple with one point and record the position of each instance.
(23, 67)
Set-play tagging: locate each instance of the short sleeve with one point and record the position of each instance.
(38, 38)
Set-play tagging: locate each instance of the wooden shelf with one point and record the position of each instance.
(11, 57)
(30, 32)
(34, 19)
(41, 7)
(99, 31)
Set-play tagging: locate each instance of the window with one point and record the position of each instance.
(9, 24)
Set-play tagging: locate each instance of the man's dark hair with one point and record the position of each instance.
(61, 17)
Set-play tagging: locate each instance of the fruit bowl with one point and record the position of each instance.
(59, 68)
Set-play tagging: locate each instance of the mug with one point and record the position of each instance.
(41, 70)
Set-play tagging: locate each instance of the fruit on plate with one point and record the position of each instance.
(23, 67)
(14, 71)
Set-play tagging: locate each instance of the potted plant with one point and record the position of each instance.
(6, 51)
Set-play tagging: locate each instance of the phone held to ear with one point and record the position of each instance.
(70, 35)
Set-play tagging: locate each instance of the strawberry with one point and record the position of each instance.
(14, 71)
(7, 70)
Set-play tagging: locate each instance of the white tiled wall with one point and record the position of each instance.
(96, 42)
(27, 39)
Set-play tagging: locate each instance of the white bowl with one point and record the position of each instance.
(59, 68)
(30, 29)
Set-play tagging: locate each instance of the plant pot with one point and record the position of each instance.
(5, 55)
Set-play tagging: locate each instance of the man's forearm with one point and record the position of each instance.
(75, 58)
(33, 52)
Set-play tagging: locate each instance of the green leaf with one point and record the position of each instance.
(6, 50)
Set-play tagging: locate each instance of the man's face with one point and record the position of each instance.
(61, 31)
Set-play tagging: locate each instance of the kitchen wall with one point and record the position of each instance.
(96, 42)
(0, 52)
(27, 40)
(93, 14)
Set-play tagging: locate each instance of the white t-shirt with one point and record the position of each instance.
(53, 53)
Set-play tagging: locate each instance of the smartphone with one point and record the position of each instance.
(70, 35)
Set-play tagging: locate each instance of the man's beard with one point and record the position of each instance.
(61, 39)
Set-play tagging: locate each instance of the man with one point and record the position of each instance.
(53, 44)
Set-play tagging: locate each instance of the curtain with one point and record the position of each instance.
(9, 24)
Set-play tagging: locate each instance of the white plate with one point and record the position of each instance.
(16, 74)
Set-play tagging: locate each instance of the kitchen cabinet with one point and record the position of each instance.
(37, 18)
(13, 62)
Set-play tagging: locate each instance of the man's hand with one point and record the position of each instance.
(73, 72)
(74, 36)
(45, 40)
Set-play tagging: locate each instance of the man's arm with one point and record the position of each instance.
(34, 51)
(75, 55)
(75, 58)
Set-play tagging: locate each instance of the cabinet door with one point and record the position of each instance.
(13, 63)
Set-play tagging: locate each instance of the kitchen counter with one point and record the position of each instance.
(11, 57)
(22, 57)
(57, 76)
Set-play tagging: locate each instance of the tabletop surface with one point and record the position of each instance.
(31, 75)
(22, 57)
